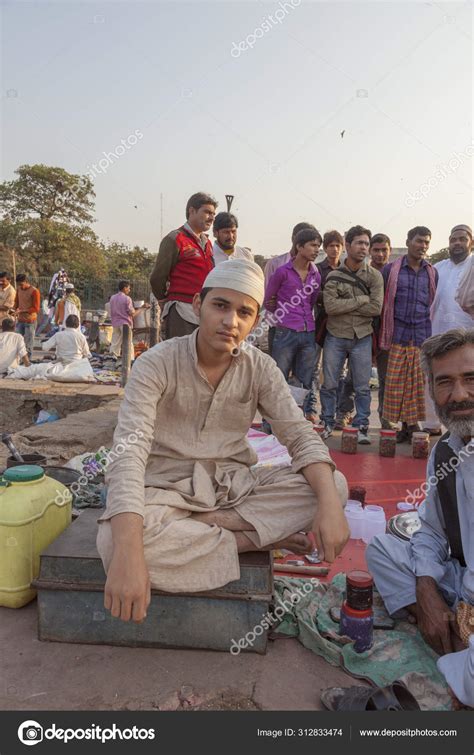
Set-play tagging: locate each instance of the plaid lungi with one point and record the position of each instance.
(404, 398)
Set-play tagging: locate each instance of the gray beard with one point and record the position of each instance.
(462, 426)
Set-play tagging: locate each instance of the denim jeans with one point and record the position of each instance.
(310, 403)
(297, 350)
(27, 330)
(345, 403)
(359, 353)
(345, 397)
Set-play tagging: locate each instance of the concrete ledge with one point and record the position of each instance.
(21, 400)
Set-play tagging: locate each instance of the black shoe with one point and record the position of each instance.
(432, 433)
(403, 436)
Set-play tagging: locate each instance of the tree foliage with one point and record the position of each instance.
(46, 219)
(442, 254)
(48, 193)
(125, 262)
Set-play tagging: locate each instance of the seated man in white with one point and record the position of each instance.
(70, 344)
(12, 347)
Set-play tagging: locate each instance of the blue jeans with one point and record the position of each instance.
(27, 330)
(345, 398)
(359, 353)
(310, 402)
(298, 350)
(345, 404)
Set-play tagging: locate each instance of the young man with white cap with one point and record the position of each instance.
(183, 499)
(445, 311)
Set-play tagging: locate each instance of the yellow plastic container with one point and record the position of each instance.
(34, 510)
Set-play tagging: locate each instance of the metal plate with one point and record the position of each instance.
(404, 525)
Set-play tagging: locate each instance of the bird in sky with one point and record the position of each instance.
(342, 133)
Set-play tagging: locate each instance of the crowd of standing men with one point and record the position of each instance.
(343, 305)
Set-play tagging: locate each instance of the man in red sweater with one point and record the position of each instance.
(183, 262)
(27, 306)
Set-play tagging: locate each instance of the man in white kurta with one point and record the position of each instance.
(445, 311)
(70, 344)
(183, 497)
(421, 575)
(225, 246)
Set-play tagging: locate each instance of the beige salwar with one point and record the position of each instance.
(116, 343)
(181, 447)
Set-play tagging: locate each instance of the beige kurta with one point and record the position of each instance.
(7, 299)
(192, 454)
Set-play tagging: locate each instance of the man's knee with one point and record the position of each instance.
(341, 486)
(383, 552)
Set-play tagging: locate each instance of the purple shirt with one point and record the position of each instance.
(412, 323)
(295, 300)
(121, 308)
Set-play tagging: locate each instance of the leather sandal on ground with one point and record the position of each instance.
(394, 697)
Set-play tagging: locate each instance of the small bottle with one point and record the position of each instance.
(359, 590)
(349, 440)
(387, 443)
(420, 445)
(358, 625)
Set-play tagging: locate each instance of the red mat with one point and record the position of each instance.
(386, 481)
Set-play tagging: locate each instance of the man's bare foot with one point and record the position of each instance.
(296, 543)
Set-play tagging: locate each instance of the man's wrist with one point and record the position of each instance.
(426, 586)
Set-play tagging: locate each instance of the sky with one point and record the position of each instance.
(337, 113)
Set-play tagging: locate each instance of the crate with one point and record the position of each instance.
(71, 601)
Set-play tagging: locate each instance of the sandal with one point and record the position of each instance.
(393, 697)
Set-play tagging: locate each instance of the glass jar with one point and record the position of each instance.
(387, 443)
(358, 626)
(349, 440)
(359, 590)
(420, 444)
(357, 493)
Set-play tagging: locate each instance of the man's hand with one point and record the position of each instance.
(435, 619)
(127, 591)
(330, 529)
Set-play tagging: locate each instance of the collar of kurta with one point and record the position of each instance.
(227, 253)
(194, 355)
